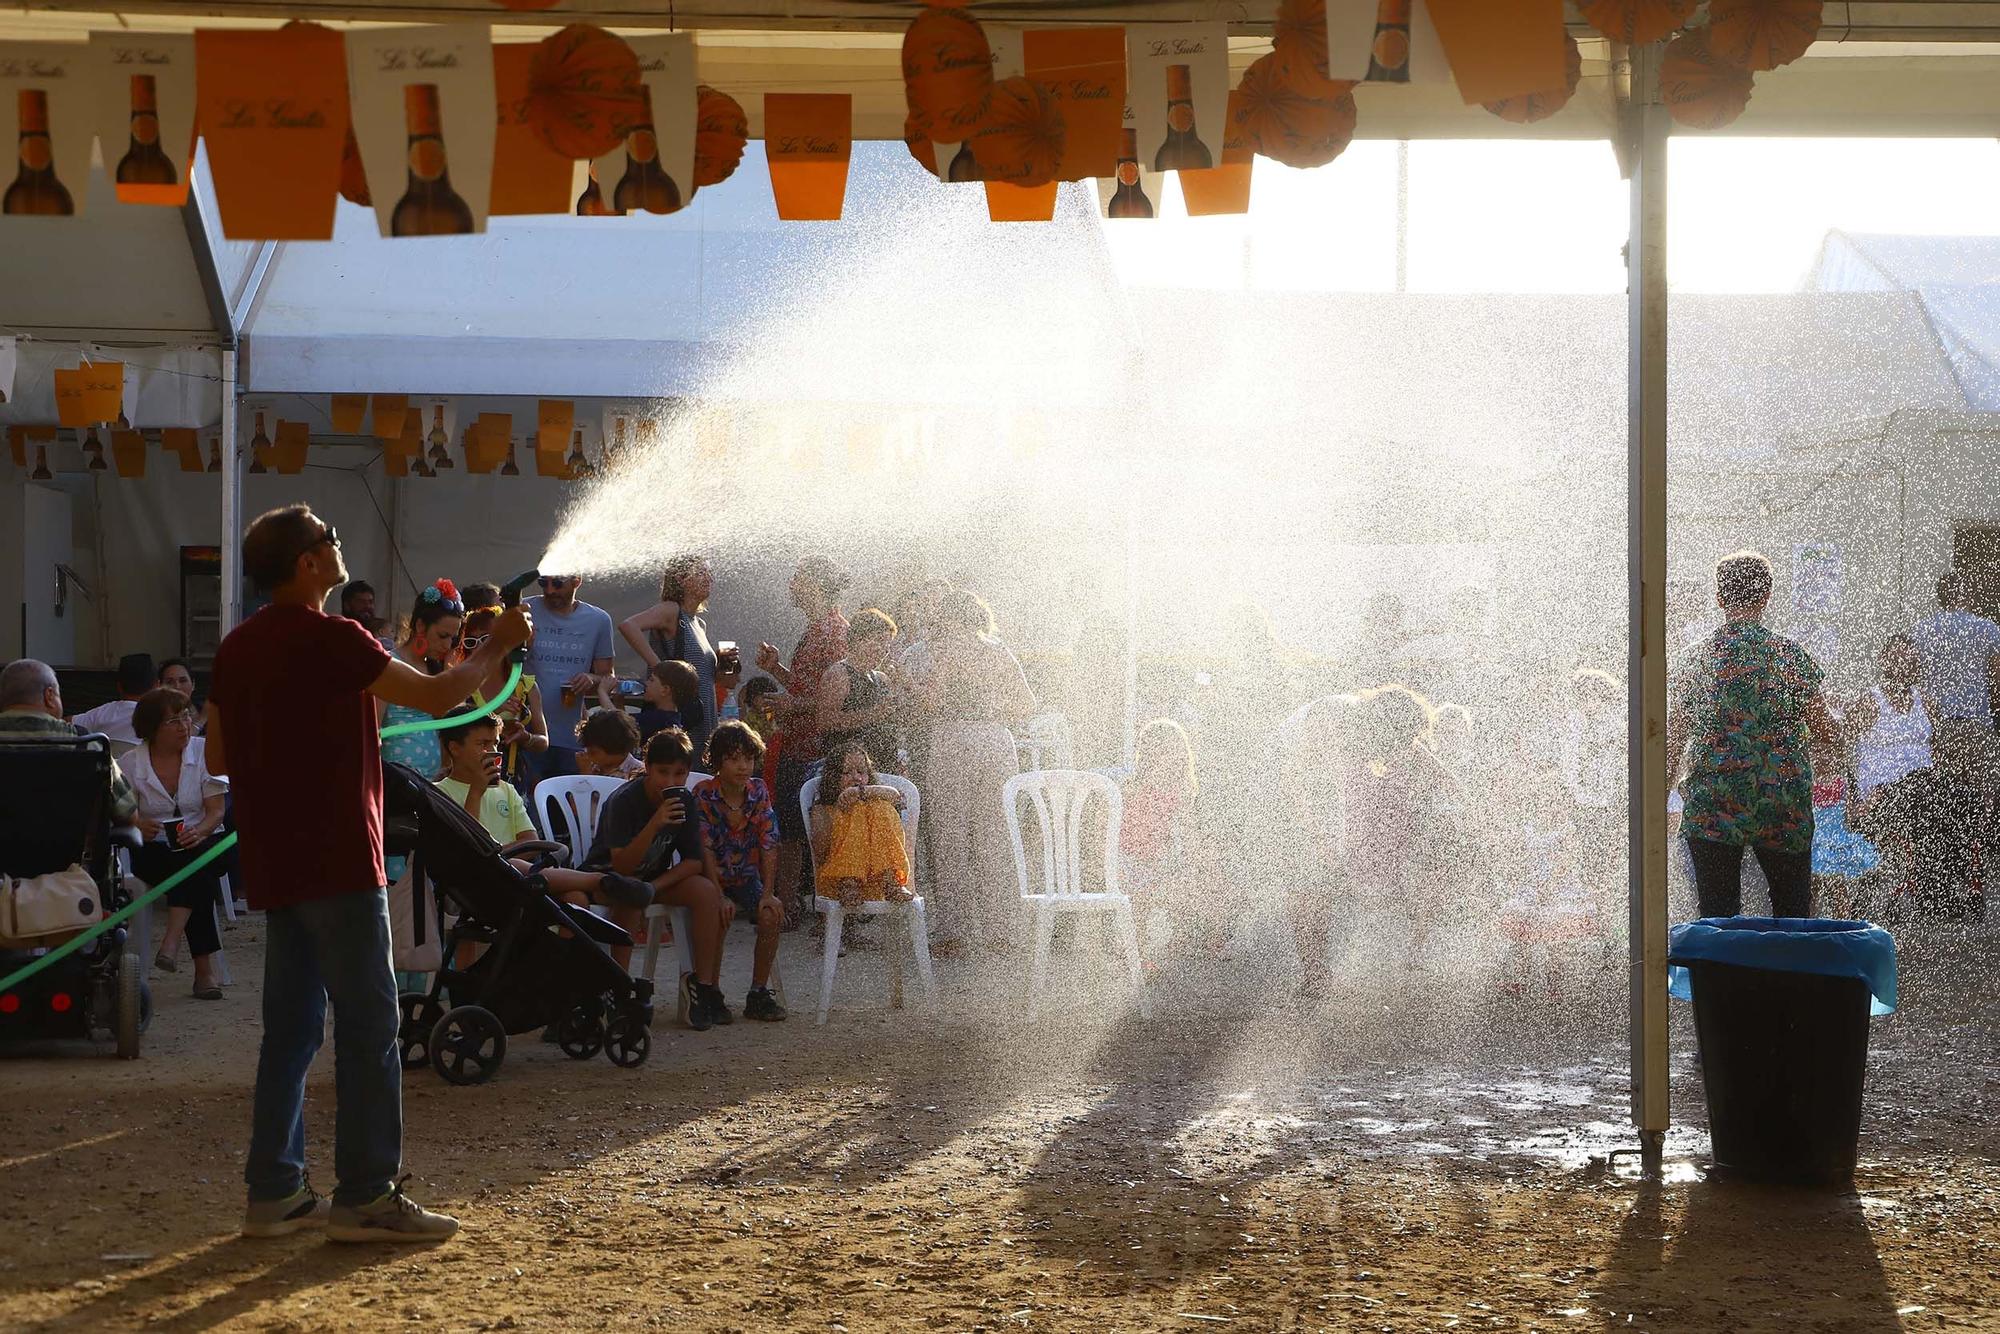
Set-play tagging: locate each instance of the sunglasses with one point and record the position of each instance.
(329, 538)
(471, 642)
(556, 581)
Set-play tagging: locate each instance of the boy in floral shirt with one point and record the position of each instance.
(740, 830)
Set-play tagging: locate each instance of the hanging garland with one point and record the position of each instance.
(1701, 90)
(1636, 22)
(584, 91)
(1762, 34)
(1284, 125)
(1021, 140)
(721, 130)
(947, 73)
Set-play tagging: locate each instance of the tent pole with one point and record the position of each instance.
(232, 498)
(1646, 571)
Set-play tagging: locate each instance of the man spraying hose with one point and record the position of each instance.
(293, 682)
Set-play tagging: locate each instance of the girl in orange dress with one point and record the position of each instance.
(857, 829)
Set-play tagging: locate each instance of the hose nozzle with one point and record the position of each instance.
(510, 592)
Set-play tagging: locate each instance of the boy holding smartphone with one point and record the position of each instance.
(472, 779)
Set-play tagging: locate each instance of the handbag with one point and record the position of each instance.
(415, 939)
(55, 904)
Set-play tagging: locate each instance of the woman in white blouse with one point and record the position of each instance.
(180, 810)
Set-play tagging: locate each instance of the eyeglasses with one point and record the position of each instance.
(556, 581)
(179, 720)
(329, 538)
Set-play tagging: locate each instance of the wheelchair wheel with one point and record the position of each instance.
(627, 1041)
(133, 1005)
(580, 1034)
(413, 1036)
(468, 1045)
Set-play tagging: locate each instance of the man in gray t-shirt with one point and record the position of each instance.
(572, 647)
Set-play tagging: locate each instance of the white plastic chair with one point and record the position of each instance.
(1045, 742)
(1060, 799)
(579, 798)
(911, 913)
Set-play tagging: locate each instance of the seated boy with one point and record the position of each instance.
(609, 740)
(740, 831)
(647, 831)
(471, 752)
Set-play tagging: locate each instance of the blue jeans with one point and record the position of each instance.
(333, 949)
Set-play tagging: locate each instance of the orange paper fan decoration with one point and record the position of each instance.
(1636, 22)
(1531, 107)
(1021, 140)
(1286, 126)
(353, 179)
(947, 73)
(720, 131)
(920, 146)
(1701, 90)
(1298, 40)
(1762, 34)
(584, 91)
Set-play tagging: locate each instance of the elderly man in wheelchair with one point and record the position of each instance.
(64, 809)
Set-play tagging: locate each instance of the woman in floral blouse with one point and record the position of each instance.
(1746, 699)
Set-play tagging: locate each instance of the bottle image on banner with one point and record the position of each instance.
(1129, 199)
(590, 204)
(35, 189)
(964, 167)
(144, 162)
(429, 206)
(1182, 147)
(260, 448)
(1389, 54)
(645, 185)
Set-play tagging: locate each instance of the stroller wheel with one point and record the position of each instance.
(468, 1045)
(420, 1016)
(134, 1008)
(580, 1034)
(627, 1041)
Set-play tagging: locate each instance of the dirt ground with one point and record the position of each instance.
(1401, 1164)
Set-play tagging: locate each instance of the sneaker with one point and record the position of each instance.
(693, 1004)
(761, 1004)
(278, 1218)
(718, 1008)
(391, 1216)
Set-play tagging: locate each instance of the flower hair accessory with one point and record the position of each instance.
(446, 592)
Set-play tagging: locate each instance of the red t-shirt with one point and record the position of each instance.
(305, 762)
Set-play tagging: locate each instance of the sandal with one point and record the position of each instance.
(164, 964)
(209, 993)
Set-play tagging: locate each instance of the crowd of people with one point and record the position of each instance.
(747, 791)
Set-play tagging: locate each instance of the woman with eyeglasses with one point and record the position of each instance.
(180, 810)
(523, 729)
(429, 643)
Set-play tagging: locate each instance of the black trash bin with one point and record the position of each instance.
(1781, 1011)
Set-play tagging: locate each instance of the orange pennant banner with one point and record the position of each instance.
(17, 445)
(1502, 48)
(528, 175)
(1084, 70)
(273, 108)
(90, 394)
(128, 453)
(184, 442)
(552, 425)
(808, 138)
(391, 415)
(348, 413)
(293, 440)
(1225, 187)
(1020, 203)
(488, 445)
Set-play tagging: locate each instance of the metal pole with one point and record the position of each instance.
(232, 498)
(1402, 215)
(1646, 561)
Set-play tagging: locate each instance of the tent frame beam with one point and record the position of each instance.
(1646, 569)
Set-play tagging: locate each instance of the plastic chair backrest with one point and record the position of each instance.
(911, 804)
(579, 799)
(1061, 799)
(1046, 742)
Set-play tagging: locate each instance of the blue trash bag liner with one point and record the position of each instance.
(1789, 945)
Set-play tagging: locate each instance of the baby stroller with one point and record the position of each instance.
(54, 815)
(545, 962)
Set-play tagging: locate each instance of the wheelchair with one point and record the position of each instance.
(55, 796)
